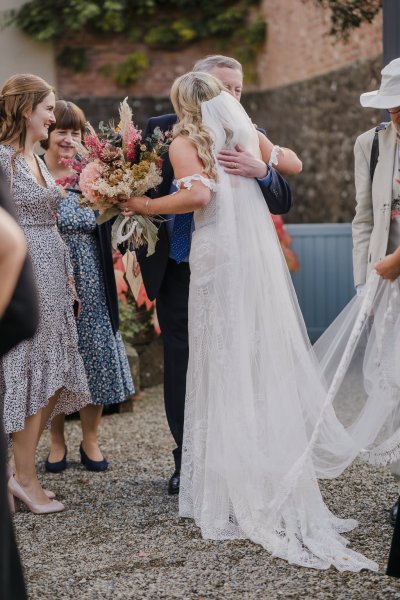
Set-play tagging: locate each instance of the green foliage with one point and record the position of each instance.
(253, 41)
(73, 58)
(129, 325)
(165, 24)
(131, 69)
(350, 14)
(135, 324)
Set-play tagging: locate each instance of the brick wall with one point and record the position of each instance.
(307, 97)
(156, 81)
(297, 48)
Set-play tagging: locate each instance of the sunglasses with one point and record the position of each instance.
(394, 111)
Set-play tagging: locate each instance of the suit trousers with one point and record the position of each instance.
(172, 311)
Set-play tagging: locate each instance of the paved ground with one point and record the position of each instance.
(120, 537)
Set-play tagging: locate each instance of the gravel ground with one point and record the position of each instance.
(120, 536)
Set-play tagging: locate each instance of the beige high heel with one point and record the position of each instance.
(16, 495)
(10, 473)
(13, 503)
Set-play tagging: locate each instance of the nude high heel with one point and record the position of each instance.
(19, 495)
(11, 473)
(13, 503)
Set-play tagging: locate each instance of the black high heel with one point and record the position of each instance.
(92, 465)
(57, 467)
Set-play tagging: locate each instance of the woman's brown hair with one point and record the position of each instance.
(68, 116)
(19, 96)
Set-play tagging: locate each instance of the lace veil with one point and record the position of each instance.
(259, 420)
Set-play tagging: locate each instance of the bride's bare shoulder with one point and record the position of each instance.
(184, 157)
(182, 144)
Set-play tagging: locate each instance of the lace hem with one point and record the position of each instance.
(186, 182)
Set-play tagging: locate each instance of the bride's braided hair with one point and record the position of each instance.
(19, 96)
(187, 94)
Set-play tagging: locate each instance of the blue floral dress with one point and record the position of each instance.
(103, 352)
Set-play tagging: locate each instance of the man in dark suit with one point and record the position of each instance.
(166, 275)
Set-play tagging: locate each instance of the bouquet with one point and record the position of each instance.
(117, 163)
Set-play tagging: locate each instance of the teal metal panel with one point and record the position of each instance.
(324, 283)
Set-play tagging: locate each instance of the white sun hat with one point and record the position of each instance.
(388, 95)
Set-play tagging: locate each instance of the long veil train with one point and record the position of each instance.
(260, 425)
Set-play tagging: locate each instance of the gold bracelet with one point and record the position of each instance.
(147, 204)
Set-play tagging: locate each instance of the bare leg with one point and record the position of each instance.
(25, 444)
(46, 412)
(57, 448)
(90, 421)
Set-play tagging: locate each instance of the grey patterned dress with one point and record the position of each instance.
(34, 370)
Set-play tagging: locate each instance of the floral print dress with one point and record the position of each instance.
(103, 352)
(35, 369)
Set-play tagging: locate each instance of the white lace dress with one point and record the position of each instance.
(254, 395)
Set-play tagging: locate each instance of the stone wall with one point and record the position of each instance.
(319, 118)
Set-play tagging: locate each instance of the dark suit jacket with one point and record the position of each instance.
(277, 195)
(104, 236)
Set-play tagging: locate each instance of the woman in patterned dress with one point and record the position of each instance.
(43, 376)
(100, 342)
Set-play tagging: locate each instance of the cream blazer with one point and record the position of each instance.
(371, 224)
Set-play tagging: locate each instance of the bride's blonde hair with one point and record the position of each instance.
(187, 94)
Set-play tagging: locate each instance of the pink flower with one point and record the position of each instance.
(89, 176)
(68, 181)
(134, 137)
(93, 144)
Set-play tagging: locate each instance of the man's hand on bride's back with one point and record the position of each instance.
(241, 162)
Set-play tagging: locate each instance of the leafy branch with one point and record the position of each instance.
(350, 14)
(165, 24)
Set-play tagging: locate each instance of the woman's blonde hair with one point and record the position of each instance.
(187, 94)
(19, 96)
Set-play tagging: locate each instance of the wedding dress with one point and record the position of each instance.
(260, 426)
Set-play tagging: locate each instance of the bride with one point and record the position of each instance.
(260, 426)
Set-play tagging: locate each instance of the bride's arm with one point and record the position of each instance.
(185, 162)
(289, 163)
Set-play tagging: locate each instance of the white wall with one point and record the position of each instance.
(21, 54)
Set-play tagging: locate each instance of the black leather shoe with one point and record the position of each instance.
(393, 513)
(92, 465)
(174, 482)
(56, 467)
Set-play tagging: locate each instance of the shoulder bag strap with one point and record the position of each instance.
(375, 150)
